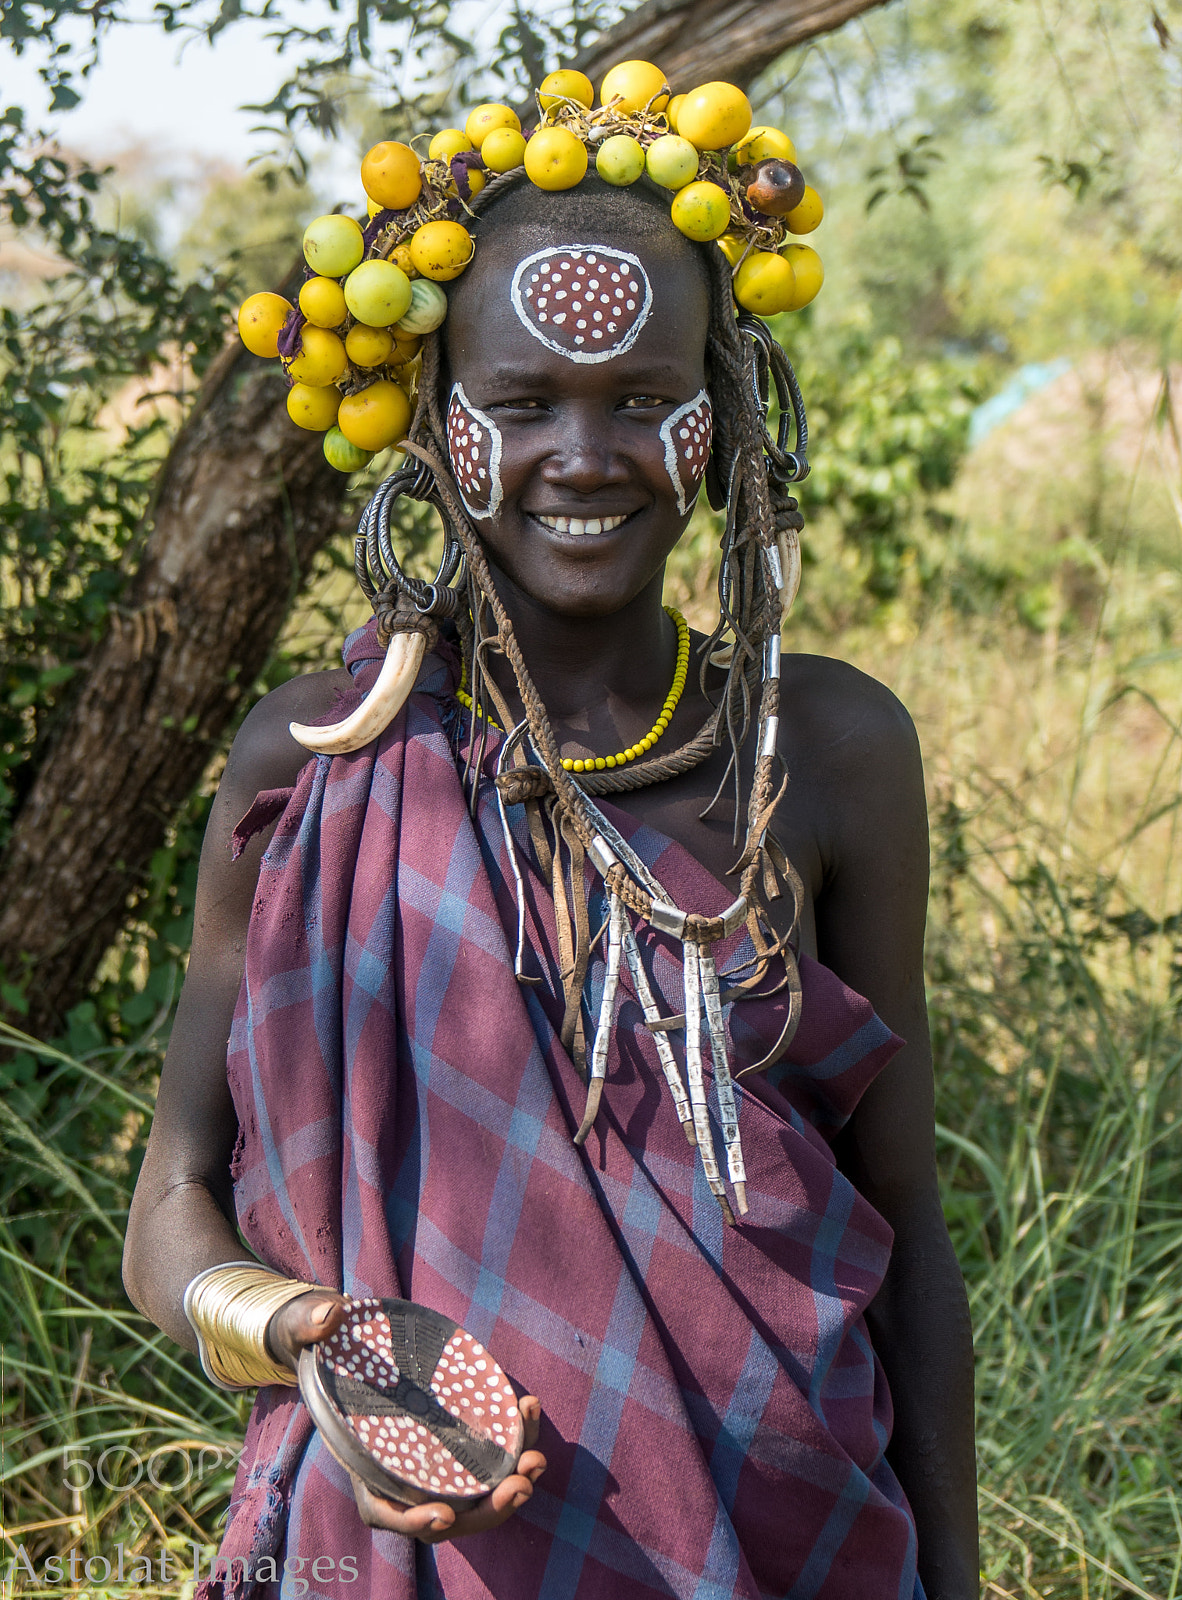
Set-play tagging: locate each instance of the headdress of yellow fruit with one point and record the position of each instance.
(351, 348)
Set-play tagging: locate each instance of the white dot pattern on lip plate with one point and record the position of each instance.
(474, 449)
(585, 301)
(686, 436)
(466, 1382)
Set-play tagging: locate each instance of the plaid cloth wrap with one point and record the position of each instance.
(714, 1416)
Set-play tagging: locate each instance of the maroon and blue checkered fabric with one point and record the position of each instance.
(715, 1418)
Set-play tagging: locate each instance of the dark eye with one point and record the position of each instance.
(642, 402)
(518, 405)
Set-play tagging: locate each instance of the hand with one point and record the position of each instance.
(434, 1522)
(316, 1315)
(303, 1321)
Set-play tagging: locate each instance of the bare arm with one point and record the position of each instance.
(870, 926)
(182, 1213)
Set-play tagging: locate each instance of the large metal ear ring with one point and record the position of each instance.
(383, 580)
(771, 365)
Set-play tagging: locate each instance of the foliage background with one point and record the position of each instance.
(995, 528)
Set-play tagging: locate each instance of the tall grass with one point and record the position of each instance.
(1055, 977)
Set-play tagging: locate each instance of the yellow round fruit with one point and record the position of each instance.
(313, 408)
(371, 208)
(405, 349)
(333, 245)
(671, 111)
(476, 181)
(448, 142)
(671, 161)
(391, 175)
(322, 300)
(732, 246)
(807, 215)
(260, 322)
(701, 210)
(377, 293)
(566, 84)
(503, 149)
(765, 283)
(638, 84)
(555, 158)
(484, 119)
(714, 116)
(368, 347)
(765, 144)
(320, 359)
(441, 250)
(807, 272)
(620, 159)
(400, 256)
(377, 417)
(342, 455)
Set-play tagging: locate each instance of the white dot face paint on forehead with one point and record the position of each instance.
(686, 436)
(587, 302)
(474, 448)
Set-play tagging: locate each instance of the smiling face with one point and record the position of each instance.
(579, 461)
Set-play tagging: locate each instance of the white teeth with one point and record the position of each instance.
(581, 525)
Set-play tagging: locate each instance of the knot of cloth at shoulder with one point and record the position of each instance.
(395, 614)
(519, 784)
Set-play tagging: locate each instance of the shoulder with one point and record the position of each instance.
(264, 755)
(843, 719)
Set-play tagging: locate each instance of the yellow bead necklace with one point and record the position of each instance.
(642, 746)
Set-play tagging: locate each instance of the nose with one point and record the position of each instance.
(583, 456)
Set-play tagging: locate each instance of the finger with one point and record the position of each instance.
(532, 1465)
(531, 1415)
(302, 1322)
(414, 1521)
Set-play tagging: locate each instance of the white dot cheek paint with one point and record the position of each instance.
(686, 436)
(474, 450)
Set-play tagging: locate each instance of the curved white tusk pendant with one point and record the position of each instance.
(404, 657)
(789, 542)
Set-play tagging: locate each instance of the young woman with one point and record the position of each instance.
(751, 1357)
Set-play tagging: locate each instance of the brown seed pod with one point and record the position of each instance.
(774, 187)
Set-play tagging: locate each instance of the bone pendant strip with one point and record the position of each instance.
(617, 919)
(697, 1086)
(652, 1017)
(723, 1082)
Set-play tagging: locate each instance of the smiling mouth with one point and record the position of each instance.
(579, 526)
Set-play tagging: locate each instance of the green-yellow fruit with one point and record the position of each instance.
(620, 159)
(765, 284)
(343, 455)
(565, 84)
(313, 408)
(322, 300)
(333, 245)
(672, 161)
(428, 309)
(377, 293)
(448, 142)
(260, 322)
(320, 359)
(701, 210)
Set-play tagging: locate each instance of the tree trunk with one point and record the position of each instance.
(245, 500)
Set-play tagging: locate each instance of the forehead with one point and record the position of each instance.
(578, 308)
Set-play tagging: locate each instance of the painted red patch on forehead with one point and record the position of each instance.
(474, 448)
(686, 436)
(585, 301)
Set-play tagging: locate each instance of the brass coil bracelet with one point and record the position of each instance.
(229, 1307)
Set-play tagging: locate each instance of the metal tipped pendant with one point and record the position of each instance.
(723, 1082)
(617, 922)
